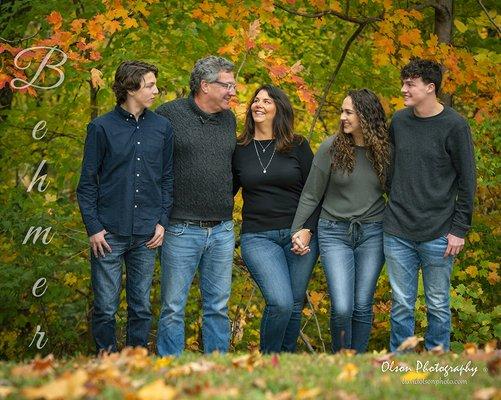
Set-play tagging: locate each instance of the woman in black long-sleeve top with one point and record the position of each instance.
(271, 164)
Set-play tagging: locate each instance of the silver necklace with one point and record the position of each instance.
(259, 158)
(263, 147)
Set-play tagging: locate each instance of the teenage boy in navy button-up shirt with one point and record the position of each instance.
(125, 197)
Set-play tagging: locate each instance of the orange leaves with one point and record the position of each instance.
(70, 385)
(77, 25)
(96, 78)
(55, 19)
(157, 390)
(410, 38)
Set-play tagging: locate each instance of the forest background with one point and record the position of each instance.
(316, 50)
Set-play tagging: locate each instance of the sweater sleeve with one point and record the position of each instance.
(310, 202)
(460, 146)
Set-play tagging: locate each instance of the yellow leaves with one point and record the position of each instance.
(112, 26)
(230, 31)
(470, 348)
(413, 376)
(55, 19)
(130, 23)
(348, 373)
(162, 362)
(335, 6)
(157, 390)
(70, 279)
(472, 271)
(220, 11)
(305, 394)
(95, 30)
(70, 385)
(96, 78)
(36, 368)
(460, 26)
(397, 102)
(474, 237)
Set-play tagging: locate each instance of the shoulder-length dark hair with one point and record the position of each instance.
(283, 122)
(375, 132)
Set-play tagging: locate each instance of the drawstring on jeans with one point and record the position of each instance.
(355, 228)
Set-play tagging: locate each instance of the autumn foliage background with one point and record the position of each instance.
(316, 50)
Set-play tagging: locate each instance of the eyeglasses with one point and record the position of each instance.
(227, 85)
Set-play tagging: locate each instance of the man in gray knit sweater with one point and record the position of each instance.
(431, 203)
(200, 234)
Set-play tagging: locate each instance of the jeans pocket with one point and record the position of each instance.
(176, 230)
(228, 225)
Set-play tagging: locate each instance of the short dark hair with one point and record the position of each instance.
(283, 122)
(129, 76)
(429, 71)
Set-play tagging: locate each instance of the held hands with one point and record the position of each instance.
(157, 238)
(300, 242)
(99, 244)
(454, 246)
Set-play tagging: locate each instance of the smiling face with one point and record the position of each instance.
(350, 123)
(263, 108)
(416, 91)
(218, 95)
(145, 95)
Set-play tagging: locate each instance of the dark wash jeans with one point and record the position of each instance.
(352, 261)
(282, 277)
(106, 276)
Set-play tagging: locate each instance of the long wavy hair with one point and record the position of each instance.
(375, 132)
(283, 122)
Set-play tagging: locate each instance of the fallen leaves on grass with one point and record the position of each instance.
(410, 343)
(36, 368)
(306, 394)
(248, 361)
(413, 376)
(157, 390)
(486, 394)
(200, 367)
(70, 385)
(348, 373)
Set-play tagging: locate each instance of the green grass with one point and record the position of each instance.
(242, 376)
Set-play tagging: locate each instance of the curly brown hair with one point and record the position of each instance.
(375, 132)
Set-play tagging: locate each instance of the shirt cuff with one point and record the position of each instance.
(93, 227)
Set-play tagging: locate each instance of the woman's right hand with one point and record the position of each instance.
(300, 242)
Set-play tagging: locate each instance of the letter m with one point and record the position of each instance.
(37, 232)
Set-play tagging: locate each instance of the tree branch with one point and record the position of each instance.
(334, 75)
(488, 16)
(21, 39)
(320, 14)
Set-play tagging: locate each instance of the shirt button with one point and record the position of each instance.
(137, 191)
(138, 159)
(135, 205)
(137, 127)
(138, 142)
(137, 174)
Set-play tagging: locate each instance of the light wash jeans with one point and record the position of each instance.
(404, 258)
(282, 277)
(186, 247)
(352, 257)
(106, 277)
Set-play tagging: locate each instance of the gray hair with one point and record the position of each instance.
(208, 69)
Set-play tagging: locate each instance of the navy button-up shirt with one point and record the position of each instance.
(127, 180)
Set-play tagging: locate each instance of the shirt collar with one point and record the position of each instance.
(127, 115)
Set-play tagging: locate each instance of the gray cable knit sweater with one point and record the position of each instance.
(203, 149)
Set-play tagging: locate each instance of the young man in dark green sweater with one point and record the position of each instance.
(431, 203)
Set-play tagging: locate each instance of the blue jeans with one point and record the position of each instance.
(404, 259)
(352, 257)
(282, 277)
(186, 247)
(106, 277)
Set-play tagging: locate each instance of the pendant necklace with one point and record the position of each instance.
(259, 157)
(263, 147)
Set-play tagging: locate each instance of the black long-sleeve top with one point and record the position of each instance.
(271, 198)
(126, 181)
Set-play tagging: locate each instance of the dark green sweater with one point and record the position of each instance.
(203, 150)
(433, 183)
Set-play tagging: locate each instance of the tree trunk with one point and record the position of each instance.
(444, 16)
